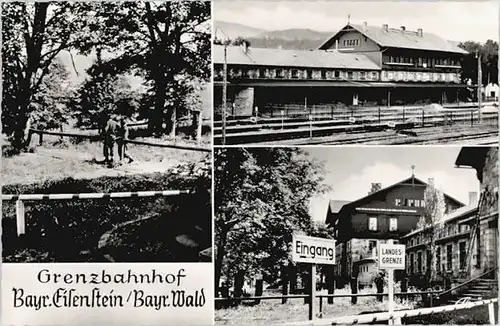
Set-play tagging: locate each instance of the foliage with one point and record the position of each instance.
(48, 107)
(431, 222)
(101, 96)
(164, 43)
(489, 61)
(33, 35)
(262, 198)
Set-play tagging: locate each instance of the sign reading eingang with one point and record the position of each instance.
(313, 250)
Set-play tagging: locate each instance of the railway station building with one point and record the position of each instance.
(358, 65)
(385, 213)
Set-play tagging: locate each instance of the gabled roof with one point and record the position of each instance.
(292, 58)
(396, 38)
(454, 215)
(336, 205)
(372, 195)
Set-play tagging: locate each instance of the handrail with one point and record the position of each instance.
(469, 281)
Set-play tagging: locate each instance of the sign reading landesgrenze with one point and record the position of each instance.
(391, 256)
(313, 250)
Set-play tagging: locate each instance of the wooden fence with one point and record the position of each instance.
(97, 137)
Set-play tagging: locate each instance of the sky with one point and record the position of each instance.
(457, 21)
(350, 171)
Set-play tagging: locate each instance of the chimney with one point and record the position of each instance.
(365, 26)
(244, 47)
(473, 200)
(420, 32)
(430, 181)
(336, 44)
(385, 27)
(375, 187)
(403, 28)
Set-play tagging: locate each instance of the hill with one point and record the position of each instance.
(233, 30)
(296, 38)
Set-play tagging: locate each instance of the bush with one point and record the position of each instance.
(63, 230)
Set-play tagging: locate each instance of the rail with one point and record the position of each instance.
(466, 283)
(397, 315)
(96, 137)
(20, 209)
(320, 296)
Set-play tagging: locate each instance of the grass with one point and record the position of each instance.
(56, 159)
(272, 311)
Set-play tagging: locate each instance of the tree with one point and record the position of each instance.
(33, 35)
(262, 198)
(48, 106)
(165, 43)
(489, 61)
(431, 222)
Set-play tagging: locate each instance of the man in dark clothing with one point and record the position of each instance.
(115, 131)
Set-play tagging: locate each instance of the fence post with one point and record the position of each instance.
(40, 139)
(403, 114)
(320, 307)
(471, 117)
(379, 114)
(491, 313)
(331, 286)
(423, 118)
(404, 287)
(20, 218)
(284, 284)
(312, 293)
(354, 289)
(259, 285)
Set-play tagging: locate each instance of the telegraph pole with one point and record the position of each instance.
(224, 97)
(479, 84)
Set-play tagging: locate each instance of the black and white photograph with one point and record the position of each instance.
(325, 236)
(106, 132)
(350, 72)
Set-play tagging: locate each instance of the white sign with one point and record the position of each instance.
(313, 250)
(391, 256)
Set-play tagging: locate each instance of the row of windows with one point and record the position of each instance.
(372, 224)
(354, 42)
(298, 74)
(447, 231)
(442, 263)
(409, 202)
(423, 62)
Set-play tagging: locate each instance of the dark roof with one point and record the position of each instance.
(292, 58)
(336, 205)
(396, 38)
(472, 156)
(411, 179)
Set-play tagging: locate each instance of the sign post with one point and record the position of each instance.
(391, 257)
(313, 251)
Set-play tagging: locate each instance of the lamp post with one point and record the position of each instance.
(224, 96)
(479, 84)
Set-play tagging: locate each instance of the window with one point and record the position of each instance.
(337, 74)
(417, 203)
(449, 256)
(350, 74)
(393, 224)
(406, 202)
(422, 203)
(420, 61)
(412, 263)
(462, 252)
(372, 224)
(411, 202)
(372, 244)
(345, 42)
(397, 202)
(438, 258)
(419, 261)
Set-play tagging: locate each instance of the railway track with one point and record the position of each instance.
(481, 135)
